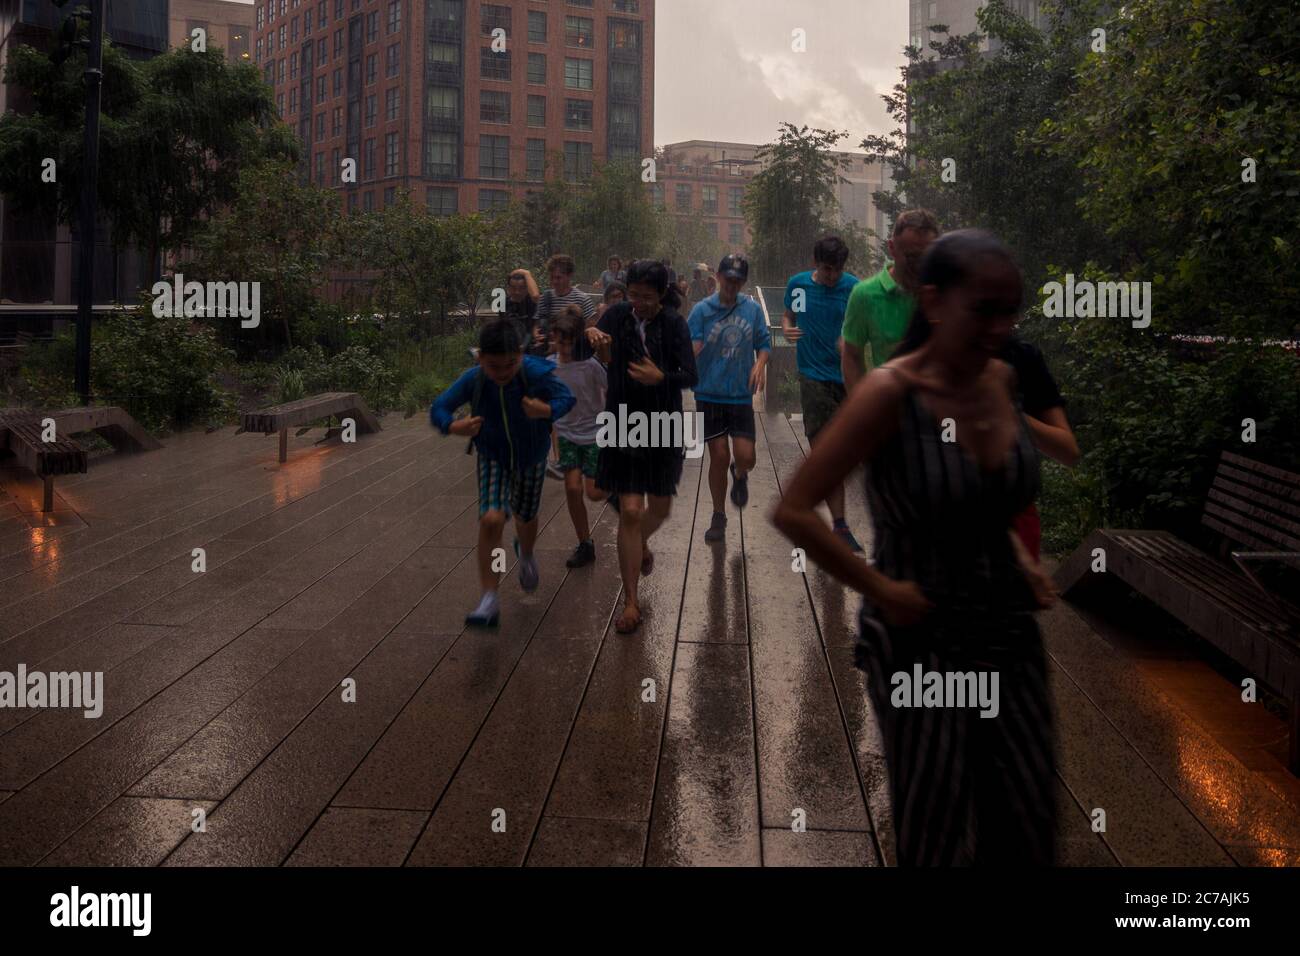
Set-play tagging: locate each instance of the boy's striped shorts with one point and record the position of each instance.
(518, 493)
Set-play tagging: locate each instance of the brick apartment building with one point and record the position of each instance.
(707, 180)
(415, 92)
(229, 25)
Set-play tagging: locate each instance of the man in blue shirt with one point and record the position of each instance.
(732, 346)
(814, 316)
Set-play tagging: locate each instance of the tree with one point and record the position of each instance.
(280, 233)
(974, 155)
(610, 215)
(176, 131)
(791, 202)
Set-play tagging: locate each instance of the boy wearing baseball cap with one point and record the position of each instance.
(732, 347)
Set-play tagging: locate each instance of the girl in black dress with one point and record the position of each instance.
(647, 347)
(949, 463)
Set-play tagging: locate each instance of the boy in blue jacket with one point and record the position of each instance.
(514, 400)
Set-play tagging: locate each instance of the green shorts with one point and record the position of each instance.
(573, 455)
(820, 400)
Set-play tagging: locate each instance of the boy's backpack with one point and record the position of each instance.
(477, 397)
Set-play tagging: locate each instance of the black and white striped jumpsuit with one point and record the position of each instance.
(967, 790)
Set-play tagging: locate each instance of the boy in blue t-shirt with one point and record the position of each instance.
(814, 316)
(728, 331)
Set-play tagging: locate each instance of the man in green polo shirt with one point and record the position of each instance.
(879, 308)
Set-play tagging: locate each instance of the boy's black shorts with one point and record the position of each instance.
(723, 419)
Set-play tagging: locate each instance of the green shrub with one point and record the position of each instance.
(160, 369)
(289, 385)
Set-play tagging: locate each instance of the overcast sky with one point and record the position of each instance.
(725, 70)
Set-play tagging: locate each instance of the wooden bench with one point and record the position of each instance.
(22, 434)
(1254, 510)
(281, 418)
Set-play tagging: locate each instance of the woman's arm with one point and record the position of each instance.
(681, 372)
(1053, 436)
(864, 422)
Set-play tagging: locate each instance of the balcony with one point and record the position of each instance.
(440, 71)
(625, 90)
(445, 30)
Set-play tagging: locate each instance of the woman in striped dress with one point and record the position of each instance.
(950, 591)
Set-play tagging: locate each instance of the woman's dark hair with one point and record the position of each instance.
(615, 287)
(654, 274)
(950, 261)
(501, 337)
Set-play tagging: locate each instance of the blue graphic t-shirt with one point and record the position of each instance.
(732, 338)
(820, 320)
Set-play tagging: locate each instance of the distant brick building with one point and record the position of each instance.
(229, 25)
(415, 92)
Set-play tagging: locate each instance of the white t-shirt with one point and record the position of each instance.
(587, 381)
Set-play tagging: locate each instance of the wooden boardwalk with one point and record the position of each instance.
(223, 690)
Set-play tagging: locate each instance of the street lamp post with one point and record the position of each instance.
(94, 75)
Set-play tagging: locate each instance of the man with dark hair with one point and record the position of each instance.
(880, 308)
(814, 315)
(559, 296)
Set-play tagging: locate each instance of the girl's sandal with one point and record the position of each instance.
(628, 623)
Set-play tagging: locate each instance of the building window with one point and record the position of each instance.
(336, 125)
(368, 202)
(442, 103)
(494, 66)
(279, 71)
(394, 15)
(657, 194)
(390, 154)
(293, 30)
(684, 197)
(580, 32)
(736, 234)
(494, 106)
(536, 26)
(392, 103)
(495, 17)
(625, 36)
(306, 24)
(392, 59)
(577, 114)
(536, 156)
(709, 200)
(279, 104)
(322, 11)
(448, 53)
(577, 162)
(320, 167)
(370, 110)
(322, 89)
(293, 100)
(713, 229)
(494, 157)
(624, 123)
(627, 6)
(370, 159)
(320, 127)
(338, 42)
(335, 165)
(390, 195)
(372, 68)
(440, 154)
(736, 199)
(441, 201)
(338, 82)
(537, 68)
(320, 52)
(536, 110)
(338, 9)
(577, 74)
(372, 26)
(492, 201)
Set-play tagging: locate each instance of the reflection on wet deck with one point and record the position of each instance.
(733, 714)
